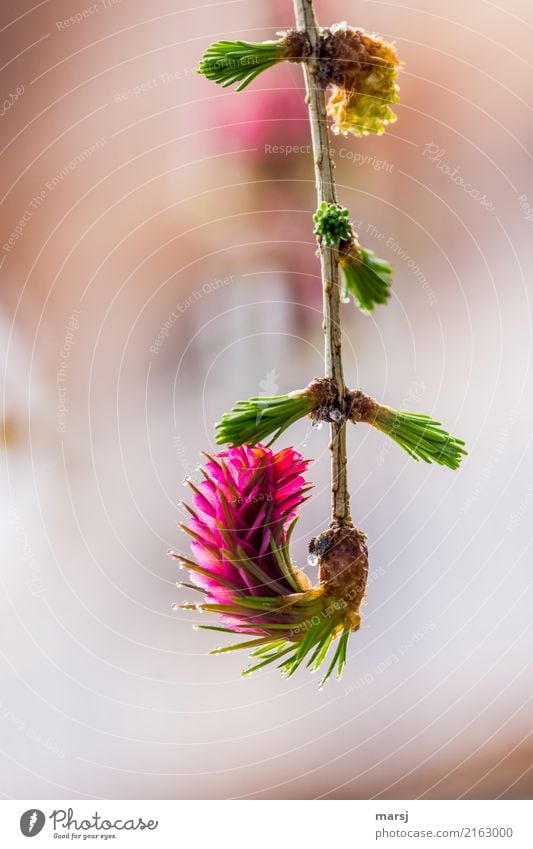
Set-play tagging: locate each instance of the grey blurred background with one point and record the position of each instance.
(157, 264)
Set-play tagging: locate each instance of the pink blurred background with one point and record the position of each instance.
(157, 264)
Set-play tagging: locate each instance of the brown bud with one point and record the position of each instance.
(345, 56)
(324, 391)
(296, 44)
(360, 407)
(343, 568)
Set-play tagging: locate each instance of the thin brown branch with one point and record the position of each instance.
(325, 189)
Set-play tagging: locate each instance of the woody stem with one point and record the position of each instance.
(329, 260)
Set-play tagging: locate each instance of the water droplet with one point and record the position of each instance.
(176, 606)
(199, 608)
(336, 415)
(316, 425)
(312, 560)
(195, 627)
(198, 467)
(179, 586)
(186, 480)
(171, 552)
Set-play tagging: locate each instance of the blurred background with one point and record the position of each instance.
(157, 264)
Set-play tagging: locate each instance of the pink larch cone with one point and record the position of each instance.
(243, 516)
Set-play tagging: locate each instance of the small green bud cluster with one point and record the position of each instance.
(332, 224)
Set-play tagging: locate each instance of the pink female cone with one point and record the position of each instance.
(243, 516)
